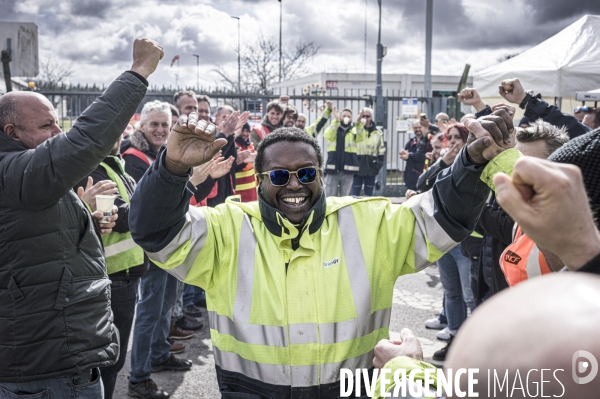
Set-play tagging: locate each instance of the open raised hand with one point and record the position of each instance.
(191, 143)
(221, 168)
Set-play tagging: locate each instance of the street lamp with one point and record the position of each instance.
(239, 68)
(197, 71)
(381, 50)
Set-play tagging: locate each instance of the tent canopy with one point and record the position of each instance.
(558, 67)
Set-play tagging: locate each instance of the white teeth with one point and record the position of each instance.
(294, 200)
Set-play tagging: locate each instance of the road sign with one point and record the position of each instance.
(410, 106)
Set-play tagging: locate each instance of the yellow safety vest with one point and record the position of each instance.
(119, 248)
(296, 317)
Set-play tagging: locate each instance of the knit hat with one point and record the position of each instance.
(584, 152)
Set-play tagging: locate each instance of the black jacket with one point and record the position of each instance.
(427, 179)
(55, 316)
(135, 166)
(496, 227)
(122, 223)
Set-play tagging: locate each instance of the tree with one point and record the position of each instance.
(507, 57)
(260, 64)
(53, 72)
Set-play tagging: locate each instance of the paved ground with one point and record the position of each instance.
(416, 298)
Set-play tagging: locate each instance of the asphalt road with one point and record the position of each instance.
(416, 298)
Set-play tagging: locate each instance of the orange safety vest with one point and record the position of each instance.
(139, 154)
(262, 131)
(522, 259)
(245, 179)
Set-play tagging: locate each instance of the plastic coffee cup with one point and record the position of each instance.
(104, 204)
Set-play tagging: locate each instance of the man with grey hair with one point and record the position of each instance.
(150, 350)
(222, 112)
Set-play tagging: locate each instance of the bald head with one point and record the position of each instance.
(28, 117)
(539, 324)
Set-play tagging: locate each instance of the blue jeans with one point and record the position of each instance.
(67, 387)
(357, 184)
(455, 273)
(123, 298)
(158, 291)
(192, 295)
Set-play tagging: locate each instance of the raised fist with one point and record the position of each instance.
(512, 91)
(146, 55)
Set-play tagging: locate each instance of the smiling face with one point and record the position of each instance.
(454, 138)
(301, 121)
(204, 111)
(295, 199)
(289, 120)
(156, 128)
(187, 104)
(37, 121)
(274, 116)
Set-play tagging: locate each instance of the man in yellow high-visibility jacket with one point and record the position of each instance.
(298, 285)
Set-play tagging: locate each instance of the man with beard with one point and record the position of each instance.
(245, 179)
(290, 116)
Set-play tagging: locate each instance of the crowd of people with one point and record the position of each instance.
(253, 227)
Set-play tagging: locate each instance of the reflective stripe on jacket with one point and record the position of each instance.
(354, 135)
(371, 152)
(119, 248)
(522, 259)
(290, 308)
(296, 328)
(319, 124)
(245, 179)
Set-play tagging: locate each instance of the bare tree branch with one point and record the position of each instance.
(260, 64)
(53, 72)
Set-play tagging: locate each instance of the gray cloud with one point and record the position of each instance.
(559, 10)
(90, 8)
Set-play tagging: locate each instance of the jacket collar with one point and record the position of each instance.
(280, 226)
(8, 144)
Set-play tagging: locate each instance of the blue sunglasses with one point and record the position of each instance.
(281, 177)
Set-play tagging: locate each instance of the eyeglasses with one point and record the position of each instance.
(444, 120)
(583, 108)
(281, 177)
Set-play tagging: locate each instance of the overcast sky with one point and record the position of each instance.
(97, 35)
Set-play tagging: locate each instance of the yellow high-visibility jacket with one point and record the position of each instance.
(291, 307)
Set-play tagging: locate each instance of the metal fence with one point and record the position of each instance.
(69, 105)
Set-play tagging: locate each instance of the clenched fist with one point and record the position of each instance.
(512, 91)
(490, 135)
(470, 96)
(146, 55)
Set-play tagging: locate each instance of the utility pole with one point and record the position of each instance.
(365, 66)
(6, 59)
(381, 50)
(428, 36)
(197, 71)
(280, 31)
(239, 68)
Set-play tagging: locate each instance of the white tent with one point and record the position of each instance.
(558, 67)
